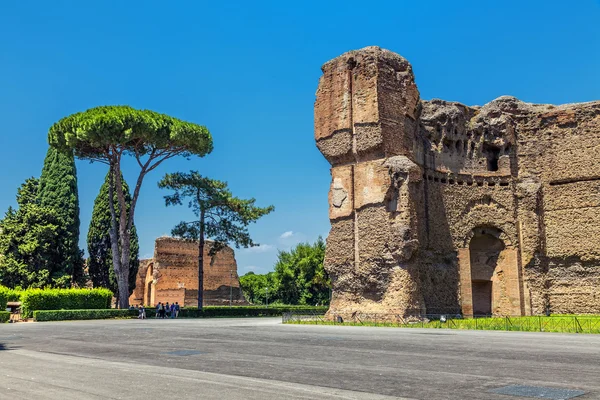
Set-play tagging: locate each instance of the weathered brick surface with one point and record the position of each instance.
(438, 207)
(172, 275)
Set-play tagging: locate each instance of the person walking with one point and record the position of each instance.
(176, 309)
(158, 311)
(141, 312)
(173, 311)
(167, 310)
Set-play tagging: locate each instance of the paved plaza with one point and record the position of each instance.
(262, 359)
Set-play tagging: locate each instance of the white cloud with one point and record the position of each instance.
(261, 248)
(289, 239)
(286, 235)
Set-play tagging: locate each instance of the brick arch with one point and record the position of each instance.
(487, 216)
(149, 285)
(488, 229)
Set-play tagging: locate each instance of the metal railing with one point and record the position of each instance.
(537, 323)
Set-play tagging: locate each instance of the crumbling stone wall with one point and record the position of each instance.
(417, 187)
(172, 275)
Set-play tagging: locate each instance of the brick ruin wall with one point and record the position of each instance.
(172, 275)
(438, 207)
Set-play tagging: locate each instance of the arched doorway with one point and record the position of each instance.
(490, 281)
(149, 282)
(485, 250)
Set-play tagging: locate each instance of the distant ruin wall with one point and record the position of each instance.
(418, 187)
(172, 275)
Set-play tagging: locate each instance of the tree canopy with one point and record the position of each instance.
(299, 278)
(259, 288)
(104, 132)
(220, 216)
(58, 190)
(107, 134)
(27, 239)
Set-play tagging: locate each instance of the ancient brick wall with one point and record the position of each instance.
(417, 186)
(138, 295)
(172, 275)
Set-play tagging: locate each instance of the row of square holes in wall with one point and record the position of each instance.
(452, 181)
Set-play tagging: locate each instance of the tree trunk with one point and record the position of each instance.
(123, 288)
(124, 242)
(201, 262)
(124, 272)
(114, 239)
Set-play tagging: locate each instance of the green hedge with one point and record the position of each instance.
(239, 311)
(3, 300)
(64, 299)
(7, 295)
(189, 312)
(68, 315)
(4, 316)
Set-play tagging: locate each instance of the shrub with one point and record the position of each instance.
(4, 316)
(3, 300)
(7, 295)
(64, 299)
(69, 315)
(188, 312)
(239, 311)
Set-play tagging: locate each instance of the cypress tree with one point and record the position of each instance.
(100, 264)
(58, 191)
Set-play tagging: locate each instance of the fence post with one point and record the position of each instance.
(475, 318)
(540, 322)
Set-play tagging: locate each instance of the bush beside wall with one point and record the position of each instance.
(3, 300)
(7, 295)
(64, 299)
(4, 316)
(69, 315)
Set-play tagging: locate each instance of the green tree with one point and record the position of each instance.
(58, 190)
(108, 134)
(27, 238)
(300, 275)
(259, 288)
(100, 266)
(221, 216)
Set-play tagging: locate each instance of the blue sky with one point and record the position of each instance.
(249, 71)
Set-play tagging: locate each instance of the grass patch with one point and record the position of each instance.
(555, 323)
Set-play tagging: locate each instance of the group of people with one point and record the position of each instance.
(164, 310)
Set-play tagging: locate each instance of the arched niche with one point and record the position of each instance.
(489, 274)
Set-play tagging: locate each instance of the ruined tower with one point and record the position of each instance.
(172, 276)
(438, 207)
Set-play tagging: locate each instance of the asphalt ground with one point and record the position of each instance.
(262, 359)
